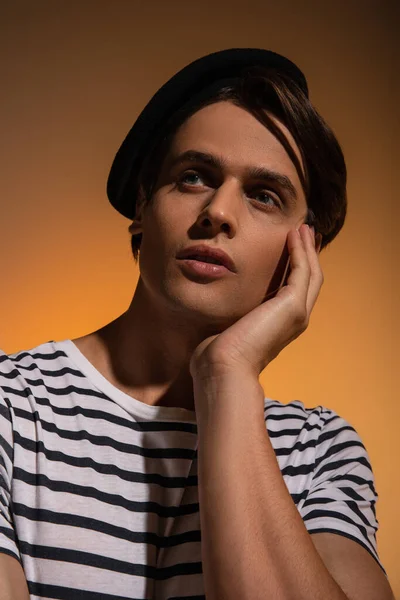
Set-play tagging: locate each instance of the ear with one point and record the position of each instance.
(136, 226)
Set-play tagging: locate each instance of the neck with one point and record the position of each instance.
(146, 352)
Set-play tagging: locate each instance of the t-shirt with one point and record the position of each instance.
(99, 491)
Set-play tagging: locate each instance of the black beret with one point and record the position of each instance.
(197, 80)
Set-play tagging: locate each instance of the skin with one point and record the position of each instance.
(146, 351)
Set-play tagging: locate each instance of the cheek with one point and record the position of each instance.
(261, 272)
(264, 251)
(264, 270)
(162, 236)
(167, 218)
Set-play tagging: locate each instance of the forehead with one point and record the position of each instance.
(232, 132)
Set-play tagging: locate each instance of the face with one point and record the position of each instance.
(223, 205)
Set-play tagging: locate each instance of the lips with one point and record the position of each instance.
(202, 251)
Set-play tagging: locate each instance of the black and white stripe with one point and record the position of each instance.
(98, 491)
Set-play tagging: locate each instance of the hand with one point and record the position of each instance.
(258, 337)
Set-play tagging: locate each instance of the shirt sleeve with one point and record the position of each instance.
(8, 540)
(342, 496)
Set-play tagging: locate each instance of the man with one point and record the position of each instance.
(142, 460)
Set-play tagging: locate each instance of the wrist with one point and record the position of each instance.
(222, 372)
(237, 394)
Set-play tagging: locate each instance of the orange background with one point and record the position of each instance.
(75, 75)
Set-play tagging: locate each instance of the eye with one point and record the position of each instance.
(191, 178)
(187, 176)
(268, 196)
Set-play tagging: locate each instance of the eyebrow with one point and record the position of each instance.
(261, 173)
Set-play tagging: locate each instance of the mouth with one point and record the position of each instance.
(204, 253)
(198, 268)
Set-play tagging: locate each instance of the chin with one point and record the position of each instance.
(207, 307)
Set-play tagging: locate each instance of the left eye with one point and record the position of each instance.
(267, 195)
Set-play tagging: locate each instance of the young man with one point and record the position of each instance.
(142, 460)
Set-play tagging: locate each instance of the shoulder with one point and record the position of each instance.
(316, 442)
(297, 416)
(320, 421)
(25, 368)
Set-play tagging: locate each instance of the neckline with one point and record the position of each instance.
(129, 403)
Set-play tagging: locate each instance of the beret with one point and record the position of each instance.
(197, 80)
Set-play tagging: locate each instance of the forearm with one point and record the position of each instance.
(255, 545)
(13, 585)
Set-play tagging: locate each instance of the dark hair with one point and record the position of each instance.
(259, 90)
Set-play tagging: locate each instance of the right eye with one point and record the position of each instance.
(187, 175)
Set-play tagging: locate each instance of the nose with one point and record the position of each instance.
(223, 208)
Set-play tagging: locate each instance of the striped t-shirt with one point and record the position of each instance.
(98, 491)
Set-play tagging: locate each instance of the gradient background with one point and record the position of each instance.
(75, 76)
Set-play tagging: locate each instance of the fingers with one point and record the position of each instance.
(316, 277)
(299, 263)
